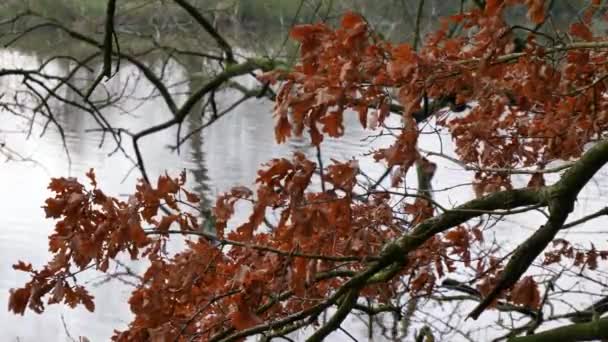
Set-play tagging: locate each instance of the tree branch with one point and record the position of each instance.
(333, 324)
(196, 14)
(570, 333)
(560, 198)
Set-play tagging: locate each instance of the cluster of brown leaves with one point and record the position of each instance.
(93, 230)
(581, 257)
(525, 292)
(528, 109)
(211, 289)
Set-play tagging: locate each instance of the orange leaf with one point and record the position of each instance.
(350, 20)
(62, 184)
(493, 7)
(282, 130)
(477, 233)
(362, 111)
(54, 207)
(18, 300)
(91, 175)
(166, 222)
(136, 302)
(244, 319)
(457, 18)
(277, 169)
(166, 185)
(58, 292)
(383, 112)
(592, 258)
(85, 298)
(332, 124)
(581, 30)
(190, 197)
(298, 276)
(223, 211)
(525, 292)
(315, 136)
(302, 32)
(487, 285)
(343, 175)
(403, 53)
(137, 234)
(458, 236)
(536, 11)
(22, 266)
(424, 279)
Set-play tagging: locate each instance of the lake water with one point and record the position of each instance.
(226, 154)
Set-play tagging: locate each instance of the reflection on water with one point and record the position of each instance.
(226, 154)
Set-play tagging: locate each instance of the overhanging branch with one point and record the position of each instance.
(560, 199)
(570, 333)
